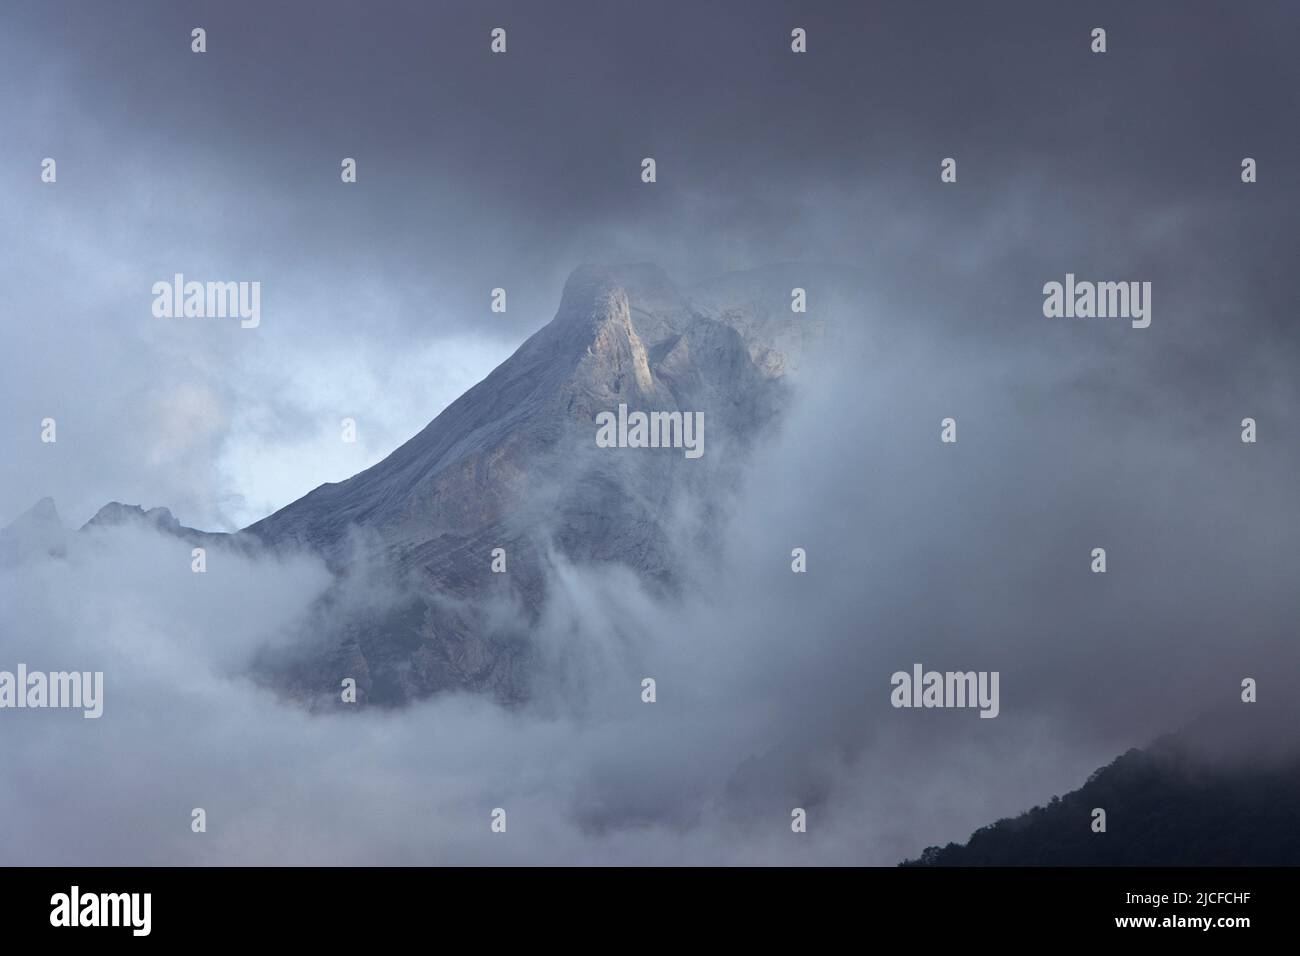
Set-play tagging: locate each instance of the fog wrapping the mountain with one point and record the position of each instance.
(773, 688)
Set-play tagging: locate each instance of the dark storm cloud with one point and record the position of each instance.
(479, 171)
(523, 163)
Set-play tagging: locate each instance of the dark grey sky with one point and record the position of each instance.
(478, 171)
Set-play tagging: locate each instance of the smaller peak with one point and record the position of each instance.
(117, 513)
(42, 513)
(114, 513)
(44, 509)
(38, 530)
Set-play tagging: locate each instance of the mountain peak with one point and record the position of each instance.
(117, 513)
(41, 513)
(513, 464)
(595, 293)
(44, 510)
(38, 530)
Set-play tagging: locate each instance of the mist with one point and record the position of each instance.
(772, 687)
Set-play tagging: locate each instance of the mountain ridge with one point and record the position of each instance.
(1223, 791)
(511, 467)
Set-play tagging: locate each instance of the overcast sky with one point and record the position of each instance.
(477, 171)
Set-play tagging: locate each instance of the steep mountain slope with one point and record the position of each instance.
(464, 470)
(513, 464)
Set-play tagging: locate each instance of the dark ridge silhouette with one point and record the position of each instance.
(1225, 792)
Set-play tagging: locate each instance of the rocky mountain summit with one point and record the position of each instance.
(513, 465)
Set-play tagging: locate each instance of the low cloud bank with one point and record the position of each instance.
(772, 687)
